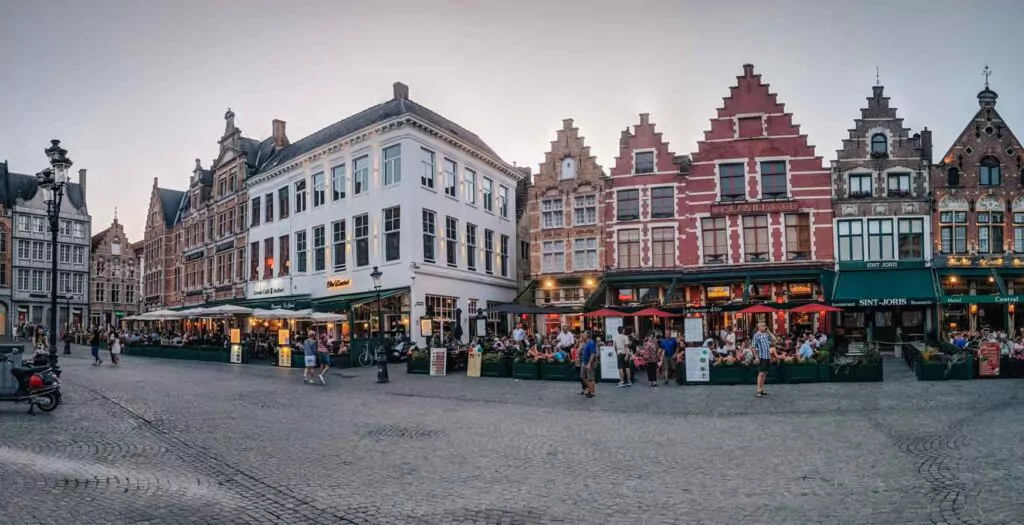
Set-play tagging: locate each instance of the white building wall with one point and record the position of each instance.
(410, 269)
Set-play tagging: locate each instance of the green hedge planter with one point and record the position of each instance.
(209, 354)
(937, 371)
(558, 372)
(526, 371)
(824, 373)
(733, 375)
(860, 373)
(799, 373)
(1011, 368)
(495, 369)
(417, 366)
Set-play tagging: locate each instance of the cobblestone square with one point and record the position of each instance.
(160, 441)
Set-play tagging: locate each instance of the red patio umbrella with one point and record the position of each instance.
(652, 312)
(758, 309)
(606, 312)
(815, 308)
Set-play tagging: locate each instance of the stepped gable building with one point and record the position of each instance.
(978, 223)
(213, 223)
(758, 223)
(162, 273)
(565, 211)
(882, 204)
(115, 276)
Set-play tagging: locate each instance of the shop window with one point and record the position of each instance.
(714, 234)
(989, 172)
(773, 180)
(1018, 232)
(880, 240)
(911, 239)
(851, 240)
(629, 248)
(755, 238)
(663, 247)
(990, 232)
(898, 185)
(798, 237)
(628, 205)
(953, 232)
(663, 202)
(731, 182)
(860, 186)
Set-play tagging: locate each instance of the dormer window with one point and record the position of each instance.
(879, 145)
(989, 173)
(643, 162)
(568, 169)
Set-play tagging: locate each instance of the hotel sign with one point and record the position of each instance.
(740, 208)
(981, 299)
(337, 284)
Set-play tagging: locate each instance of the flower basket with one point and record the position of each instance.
(800, 372)
(944, 370)
(558, 372)
(419, 363)
(526, 370)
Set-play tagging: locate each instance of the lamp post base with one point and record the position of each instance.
(382, 372)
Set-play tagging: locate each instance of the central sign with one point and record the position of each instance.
(718, 210)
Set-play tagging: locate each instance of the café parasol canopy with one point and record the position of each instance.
(606, 312)
(758, 309)
(815, 308)
(652, 312)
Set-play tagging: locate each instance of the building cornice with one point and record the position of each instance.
(378, 129)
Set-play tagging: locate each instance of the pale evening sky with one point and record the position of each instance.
(138, 89)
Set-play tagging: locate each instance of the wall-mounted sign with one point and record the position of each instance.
(803, 289)
(284, 305)
(336, 284)
(981, 299)
(236, 336)
(719, 292)
(889, 301)
(880, 265)
(224, 246)
(270, 290)
(718, 210)
(195, 255)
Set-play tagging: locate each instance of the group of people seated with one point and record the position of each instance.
(971, 340)
(787, 347)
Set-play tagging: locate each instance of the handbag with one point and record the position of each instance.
(639, 362)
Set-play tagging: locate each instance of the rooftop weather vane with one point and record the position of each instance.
(987, 72)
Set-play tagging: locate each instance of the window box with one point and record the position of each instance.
(899, 193)
(525, 370)
(860, 194)
(558, 371)
(879, 154)
(800, 372)
(929, 370)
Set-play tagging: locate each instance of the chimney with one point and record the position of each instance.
(199, 165)
(280, 139)
(81, 182)
(645, 119)
(748, 70)
(926, 145)
(401, 91)
(567, 123)
(154, 182)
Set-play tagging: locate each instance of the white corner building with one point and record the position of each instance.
(396, 187)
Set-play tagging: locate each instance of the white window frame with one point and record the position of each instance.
(583, 248)
(550, 251)
(552, 213)
(392, 165)
(338, 180)
(469, 180)
(361, 175)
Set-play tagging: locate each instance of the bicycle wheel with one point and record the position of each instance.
(365, 359)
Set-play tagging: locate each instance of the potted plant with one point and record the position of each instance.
(492, 364)
(418, 363)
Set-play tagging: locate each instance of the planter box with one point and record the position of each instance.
(212, 354)
(421, 366)
(499, 369)
(733, 375)
(937, 371)
(1011, 368)
(526, 371)
(800, 373)
(558, 372)
(869, 373)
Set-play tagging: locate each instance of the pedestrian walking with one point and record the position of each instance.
(652, 355)
(588, 370)
(668, 349)
(621, 344)
(324, 354)
(94, 344)
(115, 348)
(67, 343)
(762, 341)
(309, 354)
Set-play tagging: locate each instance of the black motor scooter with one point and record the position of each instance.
(38, 386)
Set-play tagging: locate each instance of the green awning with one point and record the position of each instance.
(338, 303)
(911, 287)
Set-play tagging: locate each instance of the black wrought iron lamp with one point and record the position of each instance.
(52, 182)
(382, 352)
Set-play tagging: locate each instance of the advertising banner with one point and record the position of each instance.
(438, 361)
(698, 365)
(609, 367)
(988, 355)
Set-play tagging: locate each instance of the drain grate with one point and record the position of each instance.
(401, 432)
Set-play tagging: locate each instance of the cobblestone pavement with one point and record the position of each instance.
(160, 441)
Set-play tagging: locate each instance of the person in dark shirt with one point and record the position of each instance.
(669, 345)
(588, 362)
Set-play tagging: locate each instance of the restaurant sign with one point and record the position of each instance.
(719, 292)
(880, 265)
(718, 210)
(336, 284)
(194, 255)
(801, 289)
(889, 301)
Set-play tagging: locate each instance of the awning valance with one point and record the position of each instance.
(338, 303)
(868, 288)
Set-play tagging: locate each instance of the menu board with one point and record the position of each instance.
(611, 327)
(988, 355)
(609, 364)
(236, 353)
(236, 336)
(693, 328)
(698, 365)
(438, 361)
(284, 356)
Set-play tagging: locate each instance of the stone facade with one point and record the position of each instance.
(115, 276)
(644, 202)
(6, 259)
(881, 182)
(162, 274)
(569, 181)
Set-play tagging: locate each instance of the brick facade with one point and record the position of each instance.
(115, 278)
(162, 277)
(569, 175)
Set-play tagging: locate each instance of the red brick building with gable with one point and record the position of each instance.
(752, 215)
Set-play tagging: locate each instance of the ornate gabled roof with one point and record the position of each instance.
(170, 201)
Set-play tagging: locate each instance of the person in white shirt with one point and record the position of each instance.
(566, 340)
(621, 344)
(519, 335)
(729, 341)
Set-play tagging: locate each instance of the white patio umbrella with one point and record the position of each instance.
(229, 309)
(160, 315)
(324, 317)
(260, 313)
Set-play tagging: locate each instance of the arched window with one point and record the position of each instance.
(989, 172)
(879, 145)
(953, 176)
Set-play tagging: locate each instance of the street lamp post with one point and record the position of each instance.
(52, 181)
(382, 353)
